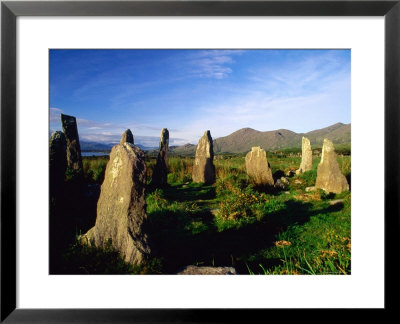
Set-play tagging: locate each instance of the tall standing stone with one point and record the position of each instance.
(70, 130)
(329, 176)
(121, 209)
(306, 156)
(160, 173)
(258, 168)
(203, 167)
(127, 137)
(57, 161)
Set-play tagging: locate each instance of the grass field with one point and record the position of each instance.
(231, 223)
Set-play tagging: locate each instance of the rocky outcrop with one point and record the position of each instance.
(121, 209)
(203, 167)
(70, 129)
(127, 137)
(257, 167)
(160, 173)
(306, 156)
(329, 176)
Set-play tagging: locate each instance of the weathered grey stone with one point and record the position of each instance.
(70, 129)
(203, 167)
(306, 156)
(57, 160)
(160, 173)
(127, 137)
(280, 185)
(329, 176)
(285, 180)
(194, 270)
(257, 167)
(121, 209)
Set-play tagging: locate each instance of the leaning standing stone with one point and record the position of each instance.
(306, 156)
(329, 176)
(160, 173)
(70, 130)
(121, 209)
(203, 168)
(257, 167)
(127, 137)
(57, 161)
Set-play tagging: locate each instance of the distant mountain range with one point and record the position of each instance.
(243, 139)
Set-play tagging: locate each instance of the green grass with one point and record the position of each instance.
(231, 223)
(83, 259)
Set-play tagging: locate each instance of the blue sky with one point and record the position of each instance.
(190, 91)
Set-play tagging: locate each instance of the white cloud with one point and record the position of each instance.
(212, 64)
(55, 115)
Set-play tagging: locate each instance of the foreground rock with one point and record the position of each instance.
(160, 173)
(203, 167)
(127, 137)
(121, 209)
(329, 176)
(57, 160)
(193, 270)
(257, 167)
(306, 156)
(70, 130)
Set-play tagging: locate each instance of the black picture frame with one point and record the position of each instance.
(10, 10)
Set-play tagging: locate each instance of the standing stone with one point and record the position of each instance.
(127, 137)
(306, 156)
(329, 176)
(257, 167)
(203, 168)
(121, 209)
(160, 173)
(70, 130)
(57, 161)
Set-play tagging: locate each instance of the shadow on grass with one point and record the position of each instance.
(190, 192)
(177, 246)
(72, 212)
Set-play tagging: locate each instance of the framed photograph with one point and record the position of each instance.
(146, 140)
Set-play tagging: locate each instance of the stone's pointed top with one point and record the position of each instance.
(67, 119)
(127, 137)
(328, 146)
(164, 136)
(258, 150)
(66, 116)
